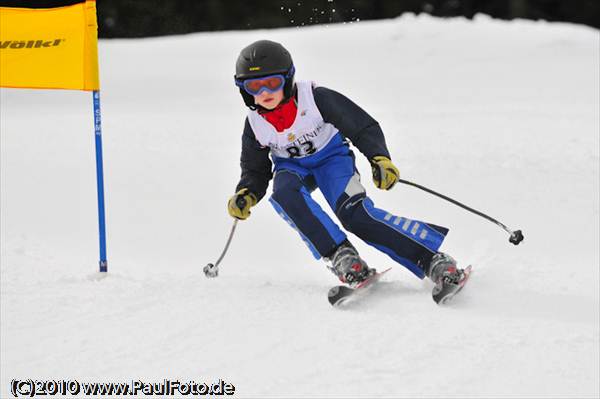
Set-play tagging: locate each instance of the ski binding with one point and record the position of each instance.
(341, 294)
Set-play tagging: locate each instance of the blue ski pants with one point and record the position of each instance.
(411, 243)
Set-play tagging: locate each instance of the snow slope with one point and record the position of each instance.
(501, 115)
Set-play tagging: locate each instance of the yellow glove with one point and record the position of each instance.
(385, 174)
(239, 205)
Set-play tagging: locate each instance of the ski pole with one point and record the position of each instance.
(212, 270)
(515, 236)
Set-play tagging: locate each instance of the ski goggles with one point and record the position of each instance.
(271, 84)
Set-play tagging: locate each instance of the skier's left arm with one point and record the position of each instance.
(362, 130)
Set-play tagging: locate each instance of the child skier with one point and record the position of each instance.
(305, 129)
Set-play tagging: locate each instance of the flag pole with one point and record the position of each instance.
(100, 181)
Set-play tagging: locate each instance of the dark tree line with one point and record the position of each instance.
(140, 18)
(137, 18)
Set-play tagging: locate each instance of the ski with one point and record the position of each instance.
(448, 291)
(341, 294)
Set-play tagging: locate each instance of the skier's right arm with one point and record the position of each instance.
(256, 172)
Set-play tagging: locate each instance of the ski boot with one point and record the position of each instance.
(348, 266)
(448, 278)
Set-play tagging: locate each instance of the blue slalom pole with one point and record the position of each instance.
(100, 181)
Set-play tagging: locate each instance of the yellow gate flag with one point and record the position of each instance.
(49, 48)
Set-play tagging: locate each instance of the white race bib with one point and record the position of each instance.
(308, 134)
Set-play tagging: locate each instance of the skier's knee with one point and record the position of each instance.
(286, 194)
(286, 188)
(351, 213)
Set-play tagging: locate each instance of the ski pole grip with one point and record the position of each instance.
(376, 174)
(240, 202)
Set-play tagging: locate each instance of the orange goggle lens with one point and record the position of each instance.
(269, 83)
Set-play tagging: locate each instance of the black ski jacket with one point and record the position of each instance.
(351, 120)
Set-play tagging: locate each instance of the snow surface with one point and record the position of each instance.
(501, 115)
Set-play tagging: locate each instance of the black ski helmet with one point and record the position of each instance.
(263, 58)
